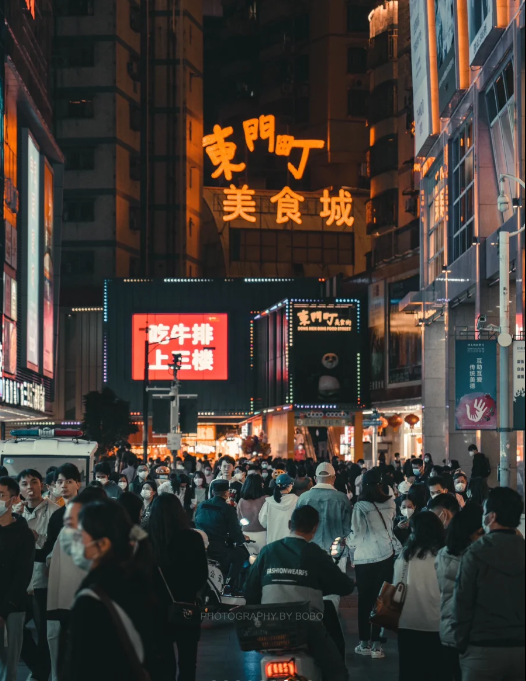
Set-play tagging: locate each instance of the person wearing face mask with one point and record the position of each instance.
(438, 485)
(52, 493)
(37, 511)
(445, 506)
(113, 604)
(148, 494)
(199, 490)
(428, 463)
(277, 510)
(185, 493)
(17, 554)
(102, 475)
(419, 645)
(464, 529)
(460, 481)
(143, 474)
(488, 620)
(123, 483)
(65, 578)
(402, 530)
(209, 474)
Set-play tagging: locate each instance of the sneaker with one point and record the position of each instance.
(360, 650)
(377, 653)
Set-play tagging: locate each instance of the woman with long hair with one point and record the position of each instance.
(148, 493)
(253, 496)
(419, 644)
(181, 570)
(464, 529)
(375, 547)
(112, 604)
(199, 489)
(277, 510)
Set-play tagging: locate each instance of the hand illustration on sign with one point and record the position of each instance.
(480, 409)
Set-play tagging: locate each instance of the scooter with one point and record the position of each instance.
(213, 598)
(294, 663)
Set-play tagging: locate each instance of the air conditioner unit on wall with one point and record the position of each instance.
(11, 196)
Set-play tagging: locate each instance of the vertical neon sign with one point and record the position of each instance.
(33, 254)
(49, 327)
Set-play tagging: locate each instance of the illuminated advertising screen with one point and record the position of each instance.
(445, 20)
(33, 254)
(200, 339)
(325, 350)
(48, 339)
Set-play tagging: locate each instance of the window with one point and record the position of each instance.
(357, 18)
(437, 211)
(135, 167)
(135, 117)
(78, 108)
(295, 248)
(190, 130)
(357, 103)
(356, 60)
(78, 54)
(135, 18)
(74, 8)
(301, 69)
(77, 263)
(80, 158)
(135, 218)
(500, 99)
(463, 186)
(384, 155)
(382, 211)
(79, 210)
(384, 102)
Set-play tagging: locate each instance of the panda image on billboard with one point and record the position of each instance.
(329, 384)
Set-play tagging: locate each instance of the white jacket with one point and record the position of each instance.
(275, 517)
(39, 521)
(372, 536)
(421, 611)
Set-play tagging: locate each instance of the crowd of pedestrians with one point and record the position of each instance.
(117, 559)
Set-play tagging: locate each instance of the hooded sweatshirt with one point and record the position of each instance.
(275, 517)
(489, 598)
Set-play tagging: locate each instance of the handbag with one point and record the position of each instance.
(139, 673)
(389, 604)
(181, 614)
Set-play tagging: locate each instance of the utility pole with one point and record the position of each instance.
(505, 338)
(174, 437)
(145, 401)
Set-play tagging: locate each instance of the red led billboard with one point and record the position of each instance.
(200, 339)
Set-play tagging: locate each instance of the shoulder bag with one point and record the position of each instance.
(385, 525)
(181, 614)
(138, 671)
(390, 603)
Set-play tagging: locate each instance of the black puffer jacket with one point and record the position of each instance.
(17, 554)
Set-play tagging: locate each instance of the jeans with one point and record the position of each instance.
(10, 655)
(187, 641)
(492, 664)
(369, 580)
(53, 639)
(421, 656)
(36, 655)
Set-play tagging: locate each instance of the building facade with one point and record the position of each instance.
(469, 130)
(32, 180)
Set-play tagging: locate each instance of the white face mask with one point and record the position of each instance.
(143, 475)
(486, 523)
(103, 481)
(198, 482)
(460, 486)
(146, 494)
(265, 475)
(408, 512)
(66, 539)
(123, 485)
(78, 557)
(3, 507)
(416, 471)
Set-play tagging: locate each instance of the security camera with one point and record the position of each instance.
(503, 202)
(481, 321)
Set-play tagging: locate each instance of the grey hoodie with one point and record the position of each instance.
(489, 597)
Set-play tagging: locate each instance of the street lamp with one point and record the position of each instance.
(505, 338)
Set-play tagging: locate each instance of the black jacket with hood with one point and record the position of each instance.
(17, 555)
(489, 594)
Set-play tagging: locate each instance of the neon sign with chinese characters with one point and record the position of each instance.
(200, 339)
(30, 4)
(323, 319)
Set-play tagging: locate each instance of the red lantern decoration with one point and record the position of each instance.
(395, 421)
(384, 425)
(412, 420)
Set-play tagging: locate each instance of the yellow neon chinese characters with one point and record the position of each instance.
(286, 143)
(239, 203)
(337, 208)
(222, 153)
(288, 206)
(263, 128)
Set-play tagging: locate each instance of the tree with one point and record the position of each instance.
(106, 419)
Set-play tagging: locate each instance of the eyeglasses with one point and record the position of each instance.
(6, 495)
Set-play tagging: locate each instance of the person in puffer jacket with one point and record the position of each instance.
(277, 510)
(465, 528)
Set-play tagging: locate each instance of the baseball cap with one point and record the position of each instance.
(325, 470)
(284, 480)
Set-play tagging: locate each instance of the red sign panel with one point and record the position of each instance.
(201, 340)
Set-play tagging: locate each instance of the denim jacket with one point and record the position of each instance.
(372, 536)
(335, 513)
